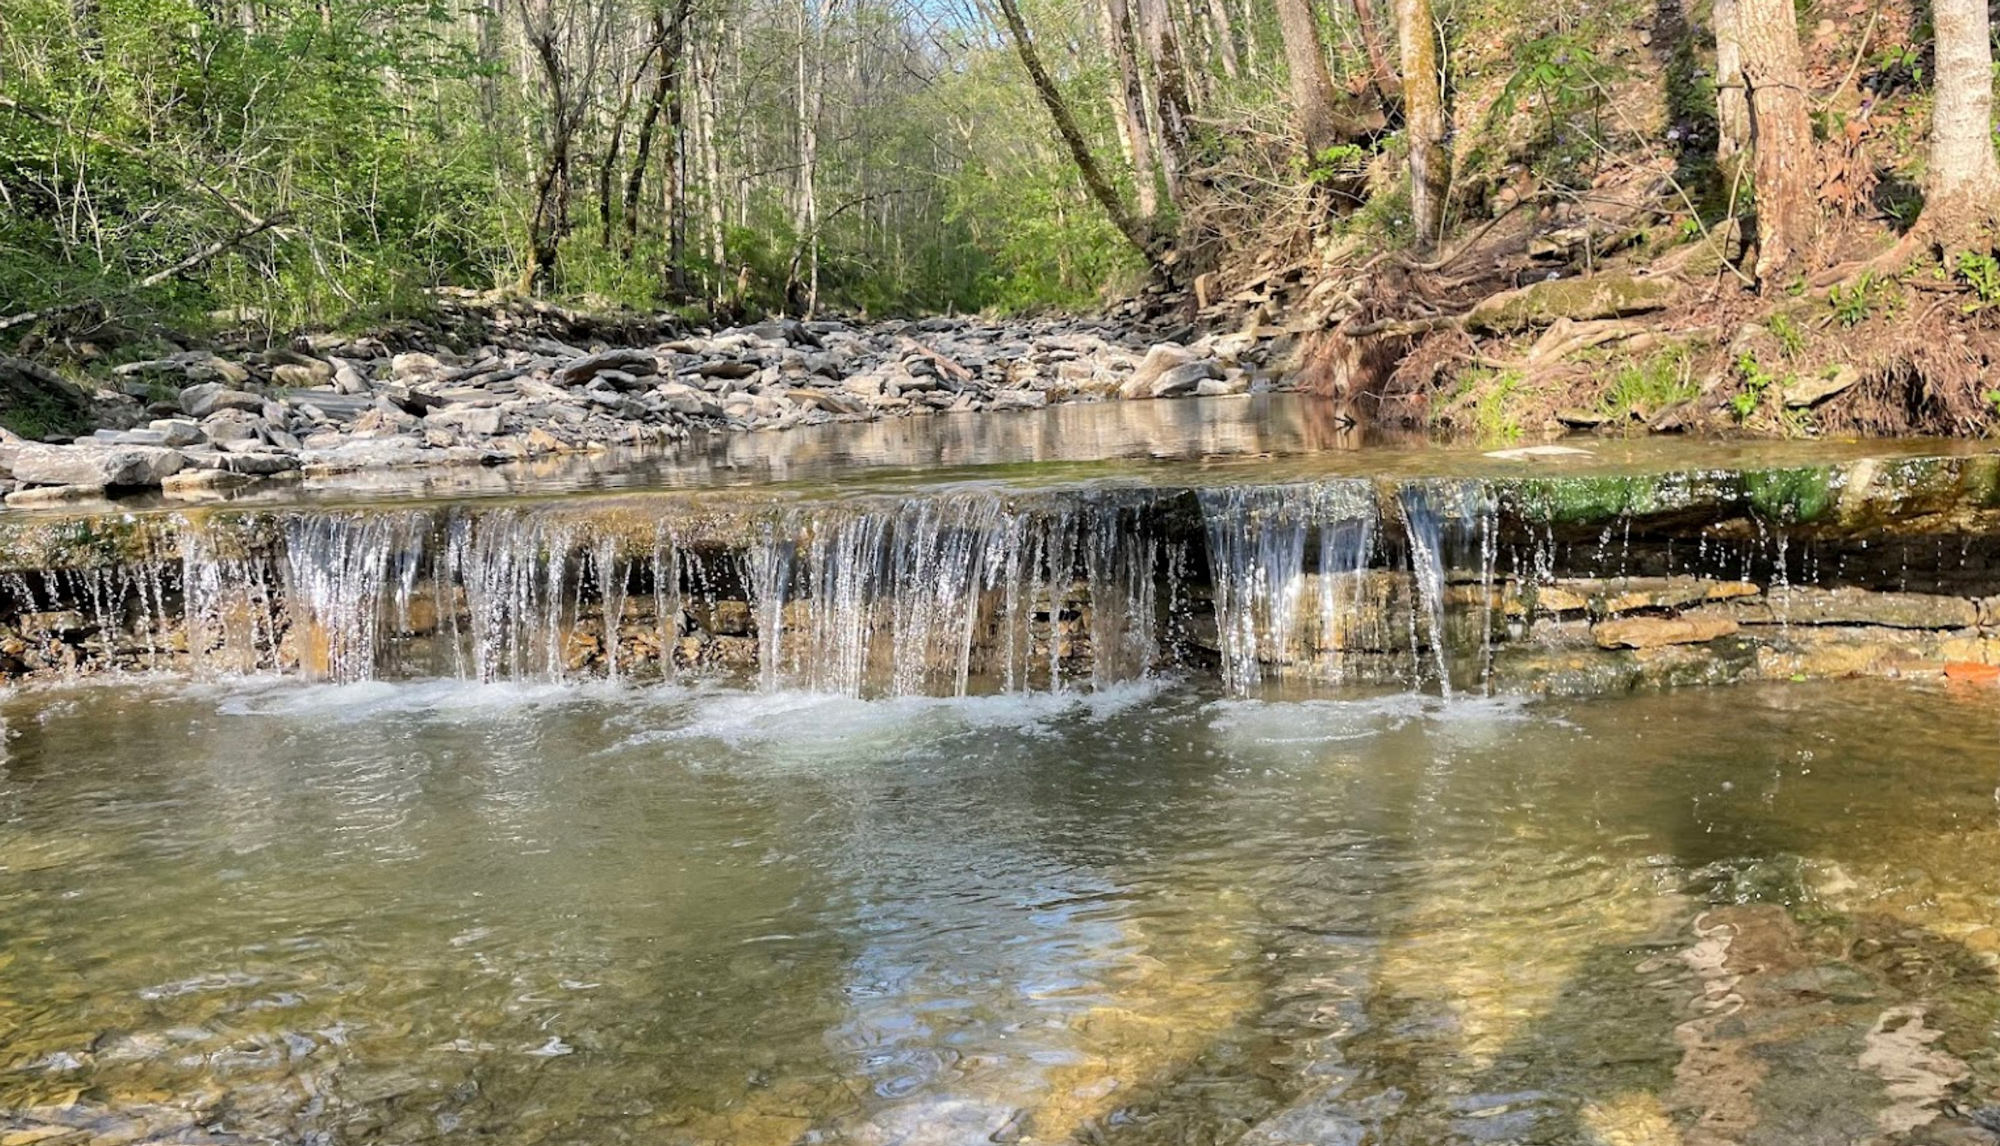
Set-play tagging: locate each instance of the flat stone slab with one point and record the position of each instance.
(1659, 632)
(1812, 606)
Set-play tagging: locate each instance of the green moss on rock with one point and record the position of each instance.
(1580, 300)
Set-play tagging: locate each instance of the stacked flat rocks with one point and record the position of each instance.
(333, 404)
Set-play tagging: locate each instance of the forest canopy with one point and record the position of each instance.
(305, 162)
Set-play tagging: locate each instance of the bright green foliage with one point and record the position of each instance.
(1490, 397)
(1755, 381)
(1854, 305)
(155, 127)
(1790, 338)
(1341, 161)
(1562, 82)
(397, 145)
(1651, 385)
(1981, 272)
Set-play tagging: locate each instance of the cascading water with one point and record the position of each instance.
(1438, 516)
(956, 591)
(945, 594)
(941, 595)
(1259, 541)
(924, 595)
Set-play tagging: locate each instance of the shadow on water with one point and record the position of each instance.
(1796, 996)
(1146, 918)
(1759, 939)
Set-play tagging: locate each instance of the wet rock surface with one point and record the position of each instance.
(1533, 584)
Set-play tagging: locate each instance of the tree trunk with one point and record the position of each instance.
(1170, 94)
(1225, 37)
(1381, 76)
(1423, 119)
(1963, 191)
(1780, 135)
(549, 223)
(1079, 150)
(1312, 88)
(1184, 33)
(1129, 106)
(1732, 103)
(670, 41)
(707, 70)
(607, 167)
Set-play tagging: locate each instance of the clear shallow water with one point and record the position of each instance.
(280, 912)
(1261, 439)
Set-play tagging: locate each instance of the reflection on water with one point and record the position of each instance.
(276, 912)
(1266, 437)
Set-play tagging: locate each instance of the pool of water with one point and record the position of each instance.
(272, 911)
(1258, 438)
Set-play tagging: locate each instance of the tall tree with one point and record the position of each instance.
(1962, 196)
(1100, 188)
(1381, 76)
(814, 17)
(1780, 134)
(1171, 110)
(1732, 102)
(1128, 104)
(669, 44)
(1423, 119)
(1313, 100)
(1223, 31)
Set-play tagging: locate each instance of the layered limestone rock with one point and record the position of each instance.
(1533, 583)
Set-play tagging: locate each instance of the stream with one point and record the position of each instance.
(1210, 786)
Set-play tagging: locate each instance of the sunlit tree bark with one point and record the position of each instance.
(1423, 119)
(1087, 167)
(1962, 195)
(1313, 99)
(1780, 135)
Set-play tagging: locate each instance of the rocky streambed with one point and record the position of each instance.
(197, 422)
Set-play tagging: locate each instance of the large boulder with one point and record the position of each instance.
(629, 361)
(209, 397)
(89, 464)
(348, 378)
(684, 399)
(303, 375)
(477, 421)
(1159, 361)
(414, 366)
(1182, 380)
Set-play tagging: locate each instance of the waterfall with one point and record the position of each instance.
(953, 591)
(939, 595)
(1259, 541)
(923, 595)
(1441, 521)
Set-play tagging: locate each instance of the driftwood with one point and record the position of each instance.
(46, 312)
(952, 368)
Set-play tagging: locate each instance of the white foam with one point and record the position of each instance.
(842, 724)
(278, 696)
